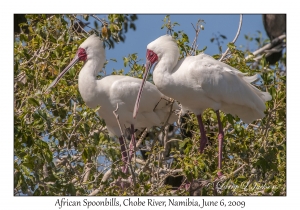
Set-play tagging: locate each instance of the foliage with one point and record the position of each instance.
(56, 136)
(61, 147)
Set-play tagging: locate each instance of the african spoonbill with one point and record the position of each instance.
(201, 82)
(116, 90)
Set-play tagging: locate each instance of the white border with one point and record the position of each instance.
(8, 201)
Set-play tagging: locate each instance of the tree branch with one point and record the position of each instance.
(194, 44)
(235, 38)
(141, 139)
(104, 23)
(87, 171)
(266, 47)
(104, 179)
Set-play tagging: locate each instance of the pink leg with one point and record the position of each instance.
(220, 138)
(131, 150)
(124, 154)
(203, 139)
(132, 143)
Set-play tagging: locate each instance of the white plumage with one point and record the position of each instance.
(114, 90)
(201, 82)
(122, 90)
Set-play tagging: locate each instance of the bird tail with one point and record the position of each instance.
(265, 96)
(253, 110)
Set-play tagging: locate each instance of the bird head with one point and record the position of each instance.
(91, 48)
(164, 46)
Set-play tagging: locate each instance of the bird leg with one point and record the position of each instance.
(203, 139)
(131, 149)
(125, 158)
(124, 154)
(132, 143)
(220, 138)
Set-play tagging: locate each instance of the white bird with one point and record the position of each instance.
(115, 91)
(201, 82)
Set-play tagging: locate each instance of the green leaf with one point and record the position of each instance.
(47, 155)
(86, 17)
(16, 178)
(29, 141)
(132, 26)
(230, 119)
(85, 155)
(126, 60)
(71, 189)
(231, 45)
(70, 120)
(52, 38)
(23, 37)
(223, 36)
(33, 102)
(272, 91)
(241, 178)
(97, 109)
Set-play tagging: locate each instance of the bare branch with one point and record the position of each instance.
(268, 46)
(223, 178)
(165, 141)
(141, 138)
(171, 107)
(235, 38)
(87, 172)
(122, 134)
(172, 171)
(171, 140)
(200, 183)
(36, 54)
(104, 179)
(79, 25)
(194, 45)
(139, 161)
(104, 23)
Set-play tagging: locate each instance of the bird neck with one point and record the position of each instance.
(162, 73)
(87, 82)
